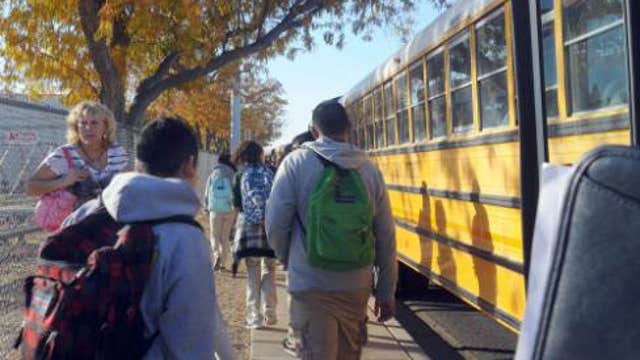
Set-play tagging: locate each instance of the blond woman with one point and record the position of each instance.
(91, 151)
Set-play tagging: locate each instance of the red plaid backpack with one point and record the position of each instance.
(83, 302)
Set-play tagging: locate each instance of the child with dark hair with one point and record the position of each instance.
(252, 186)
(178, 305)
(218, 202)
(329, 291)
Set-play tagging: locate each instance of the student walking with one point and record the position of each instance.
(178, 308)
(252, 186)
(329, 220)
(218, 202)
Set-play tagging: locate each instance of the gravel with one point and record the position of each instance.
(17, 260)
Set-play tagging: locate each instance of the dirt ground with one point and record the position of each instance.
(17, 260)
(231, 299)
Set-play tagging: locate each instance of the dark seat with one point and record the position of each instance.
(584, 286)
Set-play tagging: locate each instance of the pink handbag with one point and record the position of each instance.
(55, 206)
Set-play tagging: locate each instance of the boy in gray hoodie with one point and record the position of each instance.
(179, 300)
(328, 308)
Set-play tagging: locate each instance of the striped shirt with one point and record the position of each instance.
(117, 161)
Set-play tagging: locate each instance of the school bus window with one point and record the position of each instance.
(595, 45)
(549, 60)
(377, 116)
(368, 122)
(402, 108)
(390, 119)
(416, 83)
(360, 122)
(353, 135)
(437, 101)
(492, 72)
(460, 83)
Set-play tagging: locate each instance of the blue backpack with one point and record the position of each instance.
(220, 195)
(255, 186)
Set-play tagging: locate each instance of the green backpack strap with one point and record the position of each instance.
(325, 162)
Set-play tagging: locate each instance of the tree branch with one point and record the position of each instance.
(112, 90)
(261, 18)
(293, 19)
(161, 71)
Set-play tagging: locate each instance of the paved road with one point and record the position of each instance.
(448, 329)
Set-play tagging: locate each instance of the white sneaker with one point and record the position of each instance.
(255, 323)
(253, 326)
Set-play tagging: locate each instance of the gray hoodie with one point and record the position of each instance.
(295, 181)
(179, 300)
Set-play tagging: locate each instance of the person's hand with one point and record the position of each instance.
(384, 310)
(76, 175)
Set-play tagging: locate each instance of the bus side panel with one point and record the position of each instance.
(498, 291)
(569, 149)
(487, 169)
(490, 228)
(459, 222)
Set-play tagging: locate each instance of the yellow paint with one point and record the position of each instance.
(384, 116)
(447, 90)
(511, 90)
(395, 115)
(560, 65)
(569, 149)
(486, 169)
(494, 284)
(409, 105)
(494, 229)
(453, 32)
(427, 115)
(475, 99)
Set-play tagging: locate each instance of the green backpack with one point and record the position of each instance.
(339, 236)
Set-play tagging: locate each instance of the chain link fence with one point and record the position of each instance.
(28, 132)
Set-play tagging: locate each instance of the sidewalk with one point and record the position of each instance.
(388, 341)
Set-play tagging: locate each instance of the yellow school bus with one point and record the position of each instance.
(456, 118)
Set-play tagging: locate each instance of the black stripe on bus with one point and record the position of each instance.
(489, 139)
(503, 201)
(486, 255)
(455, 289)
(583, 127)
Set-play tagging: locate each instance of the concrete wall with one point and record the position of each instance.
(28, 132)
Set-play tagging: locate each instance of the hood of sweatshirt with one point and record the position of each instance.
(342, 154)
(134, 197)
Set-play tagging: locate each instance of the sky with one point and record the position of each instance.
(327, 72)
